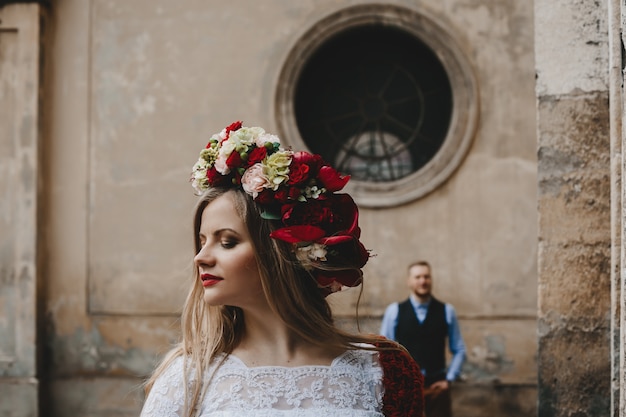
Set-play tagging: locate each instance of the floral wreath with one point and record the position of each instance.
(296, 188)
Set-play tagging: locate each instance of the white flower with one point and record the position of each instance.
(226, 149)
(261, 140)
(254, 180)
(314, 251)
(200, 164)
(313, 192)
(242, 139)
(198, 176)
(220, 136)
(256, 131)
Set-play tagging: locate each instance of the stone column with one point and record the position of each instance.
(19, 171)
(574, 355)
(616, 107)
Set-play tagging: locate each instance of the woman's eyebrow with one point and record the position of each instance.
(225, 229)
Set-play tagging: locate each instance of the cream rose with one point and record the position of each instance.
(254, 180)
(277, 168)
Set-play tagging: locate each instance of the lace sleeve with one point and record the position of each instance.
(167, 396)
(403, 381)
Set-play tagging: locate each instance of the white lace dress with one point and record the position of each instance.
(350, 387)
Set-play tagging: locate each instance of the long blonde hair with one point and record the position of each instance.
(292, 292)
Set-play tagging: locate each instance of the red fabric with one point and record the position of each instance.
(403, 382)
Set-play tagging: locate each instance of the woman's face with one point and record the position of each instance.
(226, 261)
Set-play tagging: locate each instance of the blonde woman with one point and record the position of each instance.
(273, 238)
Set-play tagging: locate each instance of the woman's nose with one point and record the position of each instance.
(204, 256)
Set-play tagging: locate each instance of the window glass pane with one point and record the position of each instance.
(376, 101)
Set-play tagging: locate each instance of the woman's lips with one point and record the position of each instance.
(209, 280)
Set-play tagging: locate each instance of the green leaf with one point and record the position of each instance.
(267, 215)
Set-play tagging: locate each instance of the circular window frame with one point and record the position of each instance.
(465, 105)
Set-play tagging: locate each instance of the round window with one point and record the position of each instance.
(384, 94)
(376, 101)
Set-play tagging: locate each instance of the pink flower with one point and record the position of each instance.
(220, 164)
(254, 180)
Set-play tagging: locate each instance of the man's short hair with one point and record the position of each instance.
(419, 263)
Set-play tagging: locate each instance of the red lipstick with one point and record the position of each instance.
(209, 280)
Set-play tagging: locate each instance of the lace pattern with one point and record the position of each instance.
(350, 387)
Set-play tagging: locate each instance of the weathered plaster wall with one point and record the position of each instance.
(19, 207)
(574, 208)
(135, 88)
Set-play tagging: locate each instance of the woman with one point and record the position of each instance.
(273, 239)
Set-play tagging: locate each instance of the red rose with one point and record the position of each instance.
(281, 195)
(233, 126)
(234, 160)
(303, 166)
(215, 178)
(313, 161)
(284, 194)
(265, 197)
(298, 173)
(256, 155)
(345, 215)
(313, 212)
(337, 214)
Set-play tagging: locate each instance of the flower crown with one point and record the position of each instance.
(295, 188)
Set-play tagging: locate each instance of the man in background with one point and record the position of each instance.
(422, 324)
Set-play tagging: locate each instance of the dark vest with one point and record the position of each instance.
(426, 342)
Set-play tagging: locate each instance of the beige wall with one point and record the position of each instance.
(132, 91)
(20, 172)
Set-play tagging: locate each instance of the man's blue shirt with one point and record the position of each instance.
(455, 341)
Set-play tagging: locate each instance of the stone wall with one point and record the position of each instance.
(574, 208)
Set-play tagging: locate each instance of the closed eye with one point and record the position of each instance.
(228, 244)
